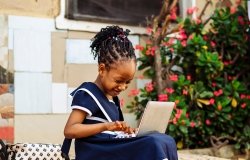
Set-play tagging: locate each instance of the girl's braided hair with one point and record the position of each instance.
(111, 44)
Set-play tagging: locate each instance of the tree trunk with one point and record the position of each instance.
(160, 23)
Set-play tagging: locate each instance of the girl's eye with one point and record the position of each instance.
(127, 82)
(118, 82)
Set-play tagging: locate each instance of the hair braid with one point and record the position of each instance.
(111, 44)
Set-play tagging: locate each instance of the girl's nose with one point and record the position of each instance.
(122, 87)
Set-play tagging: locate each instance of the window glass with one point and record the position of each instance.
(131, 12)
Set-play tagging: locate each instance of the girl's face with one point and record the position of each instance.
(116, 79)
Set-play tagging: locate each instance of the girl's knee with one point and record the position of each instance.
(160, 138)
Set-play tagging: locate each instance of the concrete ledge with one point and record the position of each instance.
(47, 128)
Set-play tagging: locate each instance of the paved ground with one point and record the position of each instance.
(186, 156)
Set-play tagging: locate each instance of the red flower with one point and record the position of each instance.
(162, 97)
(149, 30)
(173, 77)
(192, 124)
(189, 77)
(184, 43)
(169, 90)
(214, 84)
(134, 92)
(139, 47)
(151, 51)
(148, 52)
(213, 44)
(178, 113)
(226, 63)
(149, 87)
(208, 122)
(218, 93)
(229, 77)
(205, 37)
(232, 10)
(211, 101)
(243, 96)
(169, 42)
(243, 105)
(173, 15)
(191, 36)
(241, 20)
(174, 120)
(182, 35)
(184, 92)
(198, 21)
(190, 11)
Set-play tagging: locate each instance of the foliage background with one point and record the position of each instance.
(204, 69)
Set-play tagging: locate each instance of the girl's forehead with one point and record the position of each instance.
(123, 64)
(123, 68)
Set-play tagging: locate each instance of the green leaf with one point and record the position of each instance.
(183, 129)
(225, 101)
(236, 84)
(172, 127)
(206, 94)
(246, 131)
(237, 146)
(239, 125)
(226, 109)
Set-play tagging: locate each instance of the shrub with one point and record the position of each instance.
(205, 70)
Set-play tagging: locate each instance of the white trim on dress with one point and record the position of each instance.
(101, 108)
(98, 103)
(96, 119)
(82, 108)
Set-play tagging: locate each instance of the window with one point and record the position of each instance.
(131, 12)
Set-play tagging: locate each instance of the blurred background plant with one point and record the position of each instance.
(204, 68)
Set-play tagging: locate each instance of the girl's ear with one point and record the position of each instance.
(101, 68)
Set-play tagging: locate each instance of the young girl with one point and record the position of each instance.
(96, 115)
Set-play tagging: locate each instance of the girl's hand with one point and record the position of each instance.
(119, 126)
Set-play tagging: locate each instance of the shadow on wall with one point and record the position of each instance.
(6, 105)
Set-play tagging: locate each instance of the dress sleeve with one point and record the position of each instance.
(83, 101)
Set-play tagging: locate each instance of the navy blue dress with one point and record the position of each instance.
(105, 146)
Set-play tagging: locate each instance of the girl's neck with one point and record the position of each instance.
(99, 85)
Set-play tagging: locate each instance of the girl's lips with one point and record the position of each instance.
(117, 92)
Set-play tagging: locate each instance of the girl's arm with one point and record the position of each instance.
(75, 129)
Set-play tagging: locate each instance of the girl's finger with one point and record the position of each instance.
(118, 125)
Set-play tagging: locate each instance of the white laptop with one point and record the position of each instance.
(155, 117)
